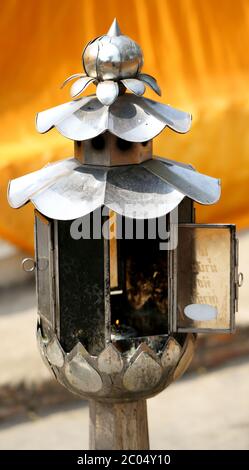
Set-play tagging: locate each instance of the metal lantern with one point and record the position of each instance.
(119, 305)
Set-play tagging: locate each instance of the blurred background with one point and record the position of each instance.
(197, 50)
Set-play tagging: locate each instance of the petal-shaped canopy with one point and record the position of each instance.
(178, 121)
(67, 189)
(201, 188)
(78, 120)
(49, 118)
(22, 189)
(64, 190)
(134, 192)
(130, 117)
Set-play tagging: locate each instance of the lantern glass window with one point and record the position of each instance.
(82, 285)
(139, 281)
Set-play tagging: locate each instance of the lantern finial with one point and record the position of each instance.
(114, 29)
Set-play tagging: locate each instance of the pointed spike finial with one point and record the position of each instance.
(114, 29)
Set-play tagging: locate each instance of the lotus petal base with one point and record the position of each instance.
(141, 372)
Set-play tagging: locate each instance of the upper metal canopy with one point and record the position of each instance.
(131, 118)
(68, 190)
(113, 62)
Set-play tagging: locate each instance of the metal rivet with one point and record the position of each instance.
(240, 279)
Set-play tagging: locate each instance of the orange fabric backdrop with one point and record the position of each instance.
(197, 49)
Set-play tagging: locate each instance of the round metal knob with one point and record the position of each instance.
(113, 58)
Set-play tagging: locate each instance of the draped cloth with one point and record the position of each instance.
(196, 49)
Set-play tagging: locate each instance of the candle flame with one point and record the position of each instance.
(117, 322)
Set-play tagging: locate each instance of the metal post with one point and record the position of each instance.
(118, 426)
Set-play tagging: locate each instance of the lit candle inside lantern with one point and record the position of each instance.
(122, 332)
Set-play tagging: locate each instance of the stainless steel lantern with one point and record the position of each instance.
(119, 304)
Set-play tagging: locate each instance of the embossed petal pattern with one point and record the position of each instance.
(143, 374)
(82, 376)
(110, 360)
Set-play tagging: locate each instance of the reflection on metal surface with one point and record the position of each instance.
(42, 264)
(142, 374)
(155, 344)
(112, 56)
(130, 117)
(200, 312)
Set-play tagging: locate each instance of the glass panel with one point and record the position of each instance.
(205, 284)
(82, 287)
(44, 270)
(140, 305)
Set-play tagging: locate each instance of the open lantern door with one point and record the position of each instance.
(204, 279)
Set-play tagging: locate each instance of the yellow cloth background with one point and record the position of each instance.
(198, 51)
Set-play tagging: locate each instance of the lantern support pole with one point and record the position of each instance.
(118, 426)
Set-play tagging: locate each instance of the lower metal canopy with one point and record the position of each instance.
(67, 189)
